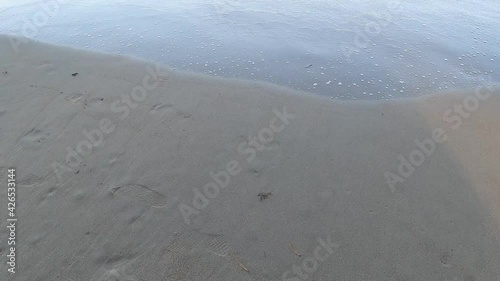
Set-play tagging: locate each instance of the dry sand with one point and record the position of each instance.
(117, 213)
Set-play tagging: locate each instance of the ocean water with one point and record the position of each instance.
(343, 49)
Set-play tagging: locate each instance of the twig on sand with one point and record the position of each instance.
(240, 264)
(292, 247)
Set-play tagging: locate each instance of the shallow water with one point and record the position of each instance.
(342, 49)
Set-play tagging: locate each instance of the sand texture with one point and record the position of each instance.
(129, 170)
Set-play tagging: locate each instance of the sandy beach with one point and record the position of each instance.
(130, 170)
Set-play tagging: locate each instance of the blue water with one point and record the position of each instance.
(342, 49)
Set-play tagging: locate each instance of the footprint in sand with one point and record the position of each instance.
(75, 98)
(445, 258)
(33, 138)
(160, 109)
(192, 240)
(142, 194)
(48, 68)
(30, 180)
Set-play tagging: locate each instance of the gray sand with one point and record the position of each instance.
(143, 203)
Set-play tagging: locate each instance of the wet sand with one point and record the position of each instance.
(129, 170)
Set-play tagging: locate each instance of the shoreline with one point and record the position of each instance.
(278, 184)
(242, 81)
